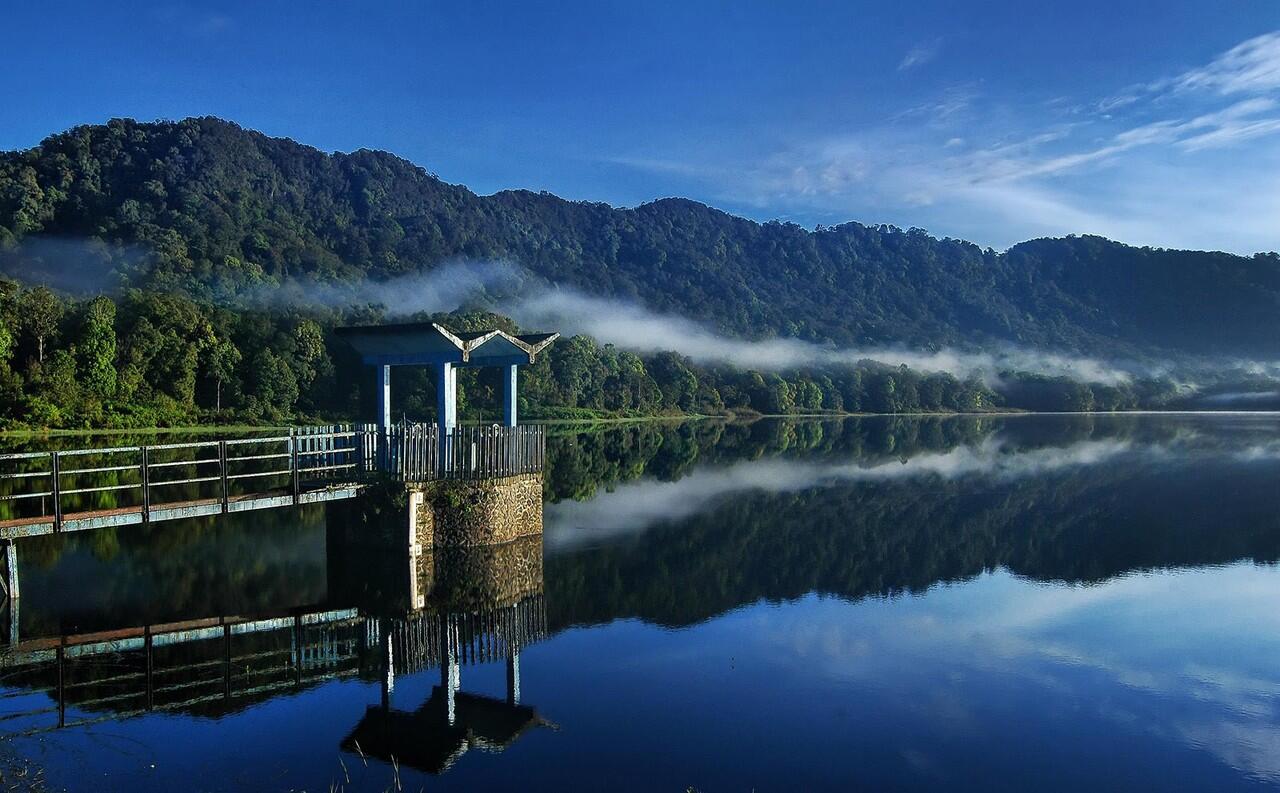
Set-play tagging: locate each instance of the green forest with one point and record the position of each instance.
(159, 241)
(155, 359)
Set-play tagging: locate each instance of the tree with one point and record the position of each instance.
(41, 312)
(221, 360)
(274, 386)
(6, 344)
(884, 394)
(808, 395)
(97, 348)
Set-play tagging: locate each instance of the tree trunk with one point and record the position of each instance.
(217, 403)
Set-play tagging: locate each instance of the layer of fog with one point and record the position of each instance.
(636, 506)
(538, 305)
(630, 326)
(89, 267)
(75, 266)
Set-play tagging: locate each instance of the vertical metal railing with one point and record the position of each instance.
(422, 452)
(53, 488)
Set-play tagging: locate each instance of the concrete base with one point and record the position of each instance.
(457, 514)
(445, 514)
(449, 544)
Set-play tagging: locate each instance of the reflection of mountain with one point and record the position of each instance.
(880, 535)
(580, 464)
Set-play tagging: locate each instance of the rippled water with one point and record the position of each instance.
(1023, 602)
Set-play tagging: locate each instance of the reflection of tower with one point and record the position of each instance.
(452, 721)
(466, 606)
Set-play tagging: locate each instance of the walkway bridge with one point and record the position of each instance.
(48, 492)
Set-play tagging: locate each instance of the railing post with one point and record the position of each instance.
(222, 468)
(57, 492)
(293, 464)
(145, 470)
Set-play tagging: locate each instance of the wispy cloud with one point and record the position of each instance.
(1252, 66)
(920, 54)
(1137, 164)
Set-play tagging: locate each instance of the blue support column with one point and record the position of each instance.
(383, 389)
(509, 397)
(384, 399)
(447, 397)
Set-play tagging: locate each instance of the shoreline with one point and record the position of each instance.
(200, 429)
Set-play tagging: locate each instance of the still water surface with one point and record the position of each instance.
(1003, 603)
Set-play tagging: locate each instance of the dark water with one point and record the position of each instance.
(1030, 602)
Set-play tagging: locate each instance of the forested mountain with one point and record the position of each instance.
(209, 207)
(162, 240)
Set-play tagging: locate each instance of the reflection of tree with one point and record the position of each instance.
(582, 461)
(243, 563)
(885, 537)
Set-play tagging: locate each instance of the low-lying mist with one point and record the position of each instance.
(535, 304)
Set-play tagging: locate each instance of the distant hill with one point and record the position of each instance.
(209, 207)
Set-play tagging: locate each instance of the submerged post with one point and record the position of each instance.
(389, 679)
(509, 396)
(11, 587)
(450, 673)
(513, 676)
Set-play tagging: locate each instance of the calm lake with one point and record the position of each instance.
(1028, 602)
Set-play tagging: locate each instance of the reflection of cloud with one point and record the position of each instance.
(639, 505)
(1174, 654)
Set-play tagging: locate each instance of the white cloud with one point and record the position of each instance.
(631, 326)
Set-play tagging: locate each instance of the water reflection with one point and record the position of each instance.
(386, 615)
(1069, 602)
(1049, 505)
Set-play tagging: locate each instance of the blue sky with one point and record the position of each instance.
(1151, 122)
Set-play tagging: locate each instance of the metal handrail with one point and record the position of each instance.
(317, 457)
